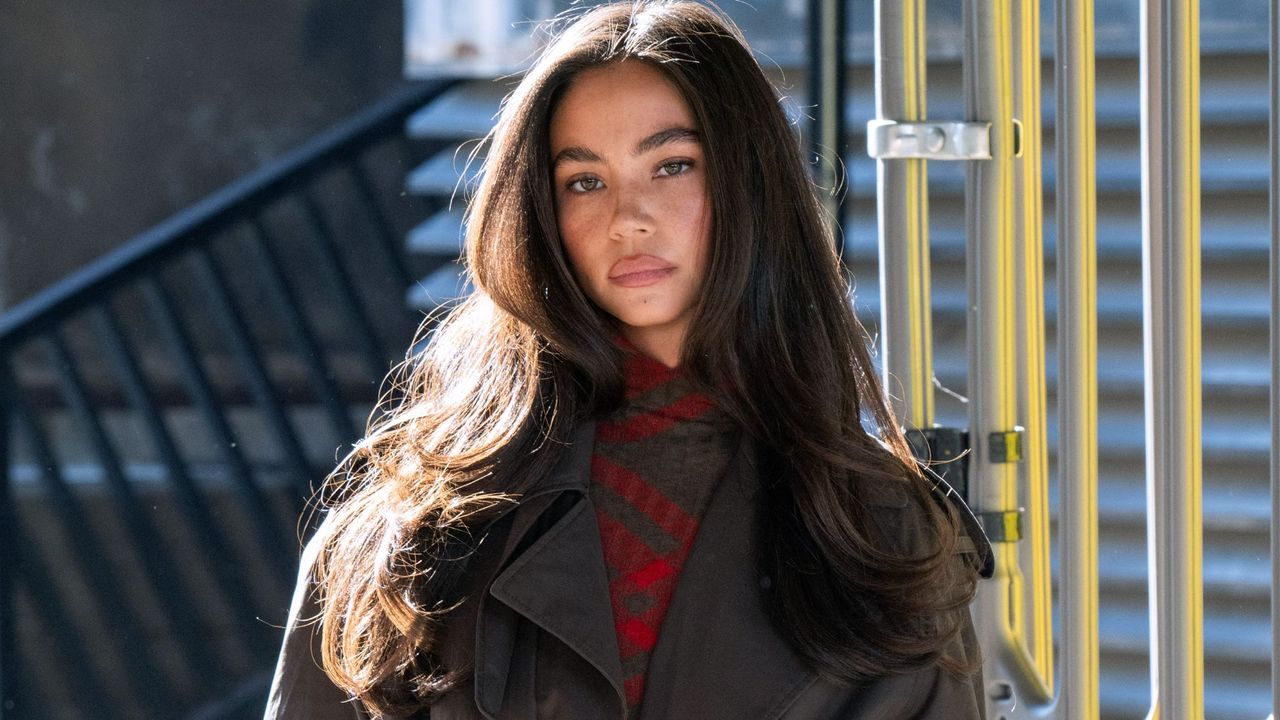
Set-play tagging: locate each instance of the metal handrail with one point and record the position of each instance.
(1002, 301)
(1029, 339)
(902, 212)
(1171, 341)
(992, 357)
(1006, 315)
(1077, 277)
(827, 58)
(213, 212)
(77, 334)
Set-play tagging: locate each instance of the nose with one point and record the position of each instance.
(631, 216)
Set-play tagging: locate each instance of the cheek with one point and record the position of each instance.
(688, 216)
(575, 225)
(685, 201)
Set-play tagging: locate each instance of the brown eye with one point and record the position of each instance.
(675, 167)
(586, 184)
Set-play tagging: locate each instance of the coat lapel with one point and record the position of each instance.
(718, 655)
(559, 582)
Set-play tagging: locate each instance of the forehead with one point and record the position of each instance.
(619, 102)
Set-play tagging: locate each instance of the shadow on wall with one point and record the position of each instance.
(119, 115)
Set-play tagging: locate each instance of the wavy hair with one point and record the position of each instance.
(484, 410)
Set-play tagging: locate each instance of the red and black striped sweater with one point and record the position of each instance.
(656, 461)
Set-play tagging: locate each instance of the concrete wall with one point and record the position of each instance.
(115, 115)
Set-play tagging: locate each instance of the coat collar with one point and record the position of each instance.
(716, 640)
(717, 643)
(559, 582)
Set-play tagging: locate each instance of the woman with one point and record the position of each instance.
(637, 473)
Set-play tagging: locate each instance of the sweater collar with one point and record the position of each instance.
(642, 372)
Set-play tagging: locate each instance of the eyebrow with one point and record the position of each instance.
(676, 133)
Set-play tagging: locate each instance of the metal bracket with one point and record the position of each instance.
(1005, 446)
(1002, 525)
(893, 140)
(948, 445)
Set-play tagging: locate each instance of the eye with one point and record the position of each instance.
(675, 167)
(584, 184)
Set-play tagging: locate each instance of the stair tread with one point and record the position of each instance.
(467, 110)
(445, 284)
(443, 174)
(440, 234)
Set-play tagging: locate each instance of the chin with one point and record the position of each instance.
(640, 321)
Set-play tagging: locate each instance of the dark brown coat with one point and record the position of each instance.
(538, 628)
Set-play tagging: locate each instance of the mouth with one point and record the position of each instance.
(639, 271)
(642, 278)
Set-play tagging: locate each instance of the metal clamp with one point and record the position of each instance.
(947, 447)
(1002, 526)
(893, 140)
(1005, 446)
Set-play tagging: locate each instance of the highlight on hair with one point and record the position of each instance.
(481, 413)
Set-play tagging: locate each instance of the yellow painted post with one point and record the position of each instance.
(1076, 203)
(1028, 224)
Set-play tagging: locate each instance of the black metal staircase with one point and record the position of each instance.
(167, 412)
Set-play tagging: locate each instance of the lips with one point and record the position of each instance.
(640, 270)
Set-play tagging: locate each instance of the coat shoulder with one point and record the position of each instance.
(300, 688)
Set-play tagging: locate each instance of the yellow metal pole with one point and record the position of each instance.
(1015, 685)
(1033, 469)
(1076, 202)
(902, 206)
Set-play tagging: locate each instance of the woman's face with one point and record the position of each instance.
(631, 200)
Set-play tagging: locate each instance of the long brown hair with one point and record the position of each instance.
(482, 412)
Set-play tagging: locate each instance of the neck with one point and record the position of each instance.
(660, 343)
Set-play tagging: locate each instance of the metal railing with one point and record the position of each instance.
(166, 412)
(1171, 324)
(1077, 277)
(999, 139)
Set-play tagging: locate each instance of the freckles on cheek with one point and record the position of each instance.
(569, 238)
(576, 239)
(688, 207)
(572, 225)
(567, 217)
